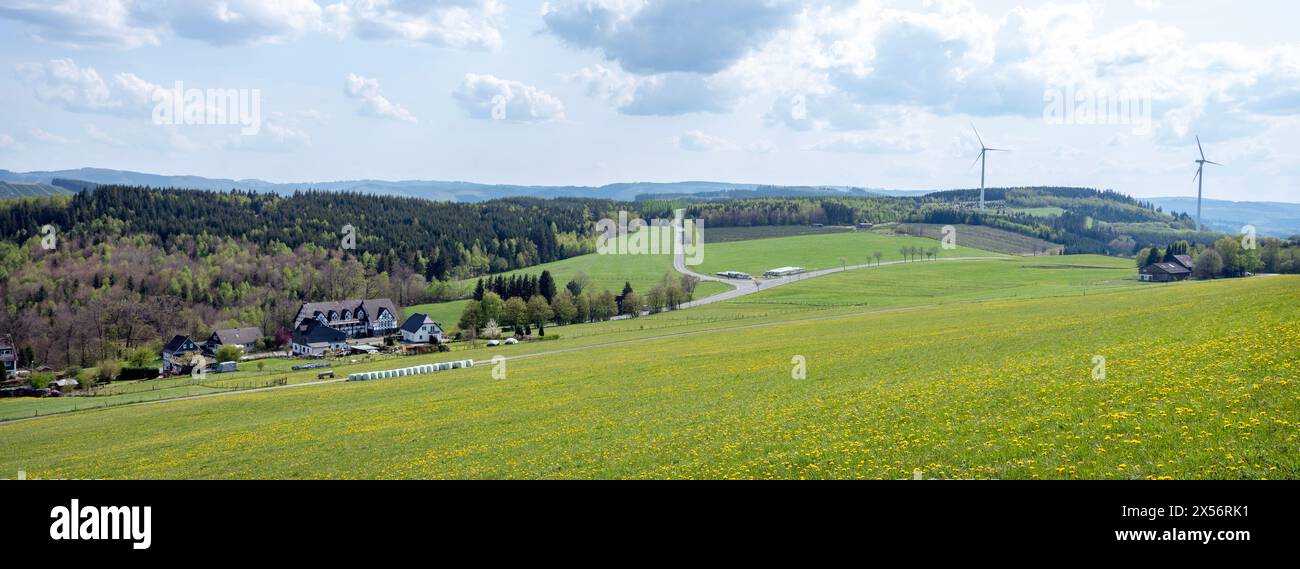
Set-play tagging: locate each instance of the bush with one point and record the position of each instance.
(140, 357)
(40, 380)
(229, 354)
(107, 370)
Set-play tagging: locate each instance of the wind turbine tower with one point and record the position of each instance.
(1200, 181)
(983, 160)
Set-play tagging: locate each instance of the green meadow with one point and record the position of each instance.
(992, 389)
(823, 251)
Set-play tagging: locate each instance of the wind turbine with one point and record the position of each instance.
(983, 160)
(1200, 181)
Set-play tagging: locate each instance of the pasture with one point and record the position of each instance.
(1001, 388)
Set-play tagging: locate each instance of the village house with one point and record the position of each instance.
(354, 318)
(178, 355)
(420, 329)
(8, 356)
(311, 338)
(1177, 270)
(243, 338)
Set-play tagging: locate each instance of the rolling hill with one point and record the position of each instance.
(447, 190)
(1274, 219)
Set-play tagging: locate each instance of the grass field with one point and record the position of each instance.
(986, 238)
(886, 287)
(728, 234)
(816, 251)
(1200, 383)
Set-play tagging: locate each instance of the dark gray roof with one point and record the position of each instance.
(417, 320)
(176, 343)
(317, 333)
(1171, 268)
(1185, 260)
(238, 336)
(371, 306)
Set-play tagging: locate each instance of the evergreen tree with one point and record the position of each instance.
(546, 286)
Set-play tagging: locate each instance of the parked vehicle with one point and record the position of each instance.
(493, 343)
(305, 367)
(325, 375)
(512, 341)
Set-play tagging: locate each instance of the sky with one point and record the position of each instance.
(881, 94)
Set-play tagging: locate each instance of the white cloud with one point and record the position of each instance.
(45, 137)
(696, 141)
(650, 37)
(63, 83)
(468, 24)
(472, 24)
(487, 97)
(374, 103)
(98, 135)
(7, 142)
(667, 94)
(82, 23)
(239, 22)
(871, 143)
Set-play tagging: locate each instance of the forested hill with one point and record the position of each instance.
(436, 239)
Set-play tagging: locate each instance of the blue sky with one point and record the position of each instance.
(836, 92)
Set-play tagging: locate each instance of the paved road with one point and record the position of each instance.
(747, 287)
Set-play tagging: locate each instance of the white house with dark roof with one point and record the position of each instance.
(8, 356)
(312, 338)
(178, 355)
(354, 318)
(420, 329)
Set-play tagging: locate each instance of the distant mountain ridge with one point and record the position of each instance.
(1276, 219)
(438, 190)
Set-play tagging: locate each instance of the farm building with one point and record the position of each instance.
(420, 329)
(178, 355)
(783, 272)
(354, 318)
(245, 338)
(1164, 272)
(8, 356)
(1178, 269)
(313, 339)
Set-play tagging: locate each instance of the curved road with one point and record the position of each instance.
(747, 287)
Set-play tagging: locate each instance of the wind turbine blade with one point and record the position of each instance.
(977, 134)
(997, 150)
(1198, 175)
(1215, 163)
(977, 160)
(1199, 147)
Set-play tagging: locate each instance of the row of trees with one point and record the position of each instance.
(488, 314)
